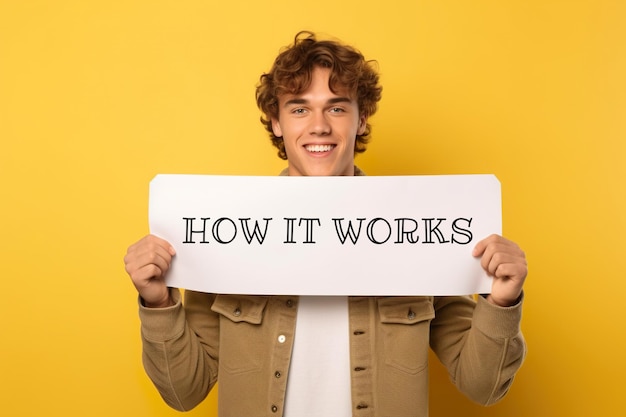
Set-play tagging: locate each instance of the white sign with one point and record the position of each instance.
(401, 235)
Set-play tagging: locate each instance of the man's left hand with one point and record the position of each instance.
(506, 263)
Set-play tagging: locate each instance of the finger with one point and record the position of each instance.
(147, 247)
(151, 242)
(491, 261)
(144, 254)
(511, 270)
(482, 245)
(142, 275)
(502, 250)
(507, 265)
(157, 257)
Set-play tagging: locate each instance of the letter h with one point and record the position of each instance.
(189, 229)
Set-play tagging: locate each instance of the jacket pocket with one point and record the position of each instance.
(241, 332)
(405, 328)
(238, 308)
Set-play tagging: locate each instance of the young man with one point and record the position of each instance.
(325, 356)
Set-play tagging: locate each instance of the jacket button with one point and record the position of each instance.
(411, 315)
(277, 374)
(274, 409)
(281, 338)
(237, 312)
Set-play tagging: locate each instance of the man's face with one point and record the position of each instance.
(319, 128)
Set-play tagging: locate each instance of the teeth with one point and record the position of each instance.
(319, 148)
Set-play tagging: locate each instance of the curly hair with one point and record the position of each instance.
(292, 74)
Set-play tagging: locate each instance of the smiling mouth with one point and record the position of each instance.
(319, 148)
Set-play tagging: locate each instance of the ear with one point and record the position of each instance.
(362, 124)
(278, 132)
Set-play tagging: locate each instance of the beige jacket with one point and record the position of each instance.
(246, 342)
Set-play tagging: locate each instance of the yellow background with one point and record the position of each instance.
(96, 97)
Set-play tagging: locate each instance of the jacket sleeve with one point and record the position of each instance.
(181, 363)
(480, 344)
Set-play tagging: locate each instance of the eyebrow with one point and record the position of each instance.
(335, 100)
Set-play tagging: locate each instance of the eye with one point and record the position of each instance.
(298, 110)
(337, 110)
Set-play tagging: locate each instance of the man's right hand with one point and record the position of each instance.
(147, 262)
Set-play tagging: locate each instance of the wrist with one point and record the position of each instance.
(502, 302)
(166, 304)
(167, 301)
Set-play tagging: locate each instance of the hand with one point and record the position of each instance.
(147, 262)
(506, 263)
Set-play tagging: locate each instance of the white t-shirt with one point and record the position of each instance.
(318, 384)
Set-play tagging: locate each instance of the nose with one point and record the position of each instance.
(319, 124)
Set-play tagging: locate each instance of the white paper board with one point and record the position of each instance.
(290, 235)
